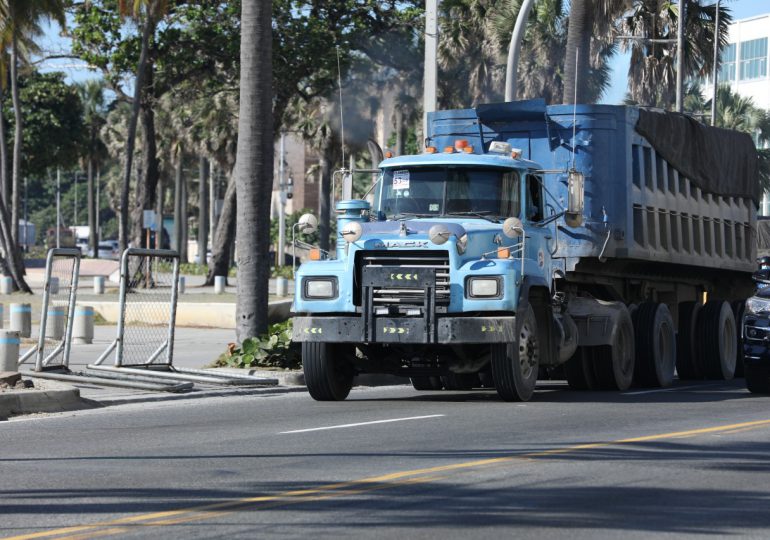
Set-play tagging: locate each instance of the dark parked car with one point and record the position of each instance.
(756, 336)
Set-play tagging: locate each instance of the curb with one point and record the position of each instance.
(297, 378)
(64, 398)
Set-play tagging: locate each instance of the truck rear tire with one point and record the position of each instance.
(757, 379)
(688, 362)
(718, 340)
(575, 371)
(655, 340)
(515, 365)
(739, 307)
(614, 364)
(328, 373)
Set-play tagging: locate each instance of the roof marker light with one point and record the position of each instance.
(388, 154)
(500, 147)
(468, 149)
(449, 149)
(516, 153)
(431, 149)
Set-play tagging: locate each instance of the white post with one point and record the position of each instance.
(21, 319)
(715, 71)
(58, 206)
(513, 50)
(83, 325)
(680, 57)
(219, 284)
(9, 350)
(430, 76)
(98, 284)
(282, 204)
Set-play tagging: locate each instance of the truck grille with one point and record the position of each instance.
(402, 262)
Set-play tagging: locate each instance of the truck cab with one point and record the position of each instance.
(428, 278)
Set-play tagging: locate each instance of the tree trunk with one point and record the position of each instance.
(5, 186)
(324, 210)
(147, 32)
(184, 213)
(147, 186)
(161, 198)
(203, 209)
(178, 206)
(13, 255)
(578, 42)
(399, 149)
(223, 236)
(254, 168)
(17, 139)
(93, 233)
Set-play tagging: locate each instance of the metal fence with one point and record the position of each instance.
(62, 271)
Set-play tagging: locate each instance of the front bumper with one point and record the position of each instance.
(756, 340)
(406, 330)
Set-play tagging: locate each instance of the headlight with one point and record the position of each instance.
(484, 287)
(462, 244)
(755, 304)
(323, 288)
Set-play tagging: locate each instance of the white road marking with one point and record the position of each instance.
(672, 389)
(341, 426)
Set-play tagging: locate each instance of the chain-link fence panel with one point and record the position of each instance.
(58, 309)
(148, 296)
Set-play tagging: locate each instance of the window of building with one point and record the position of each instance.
(727, 67)
(754, 59)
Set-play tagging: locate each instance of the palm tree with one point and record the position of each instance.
(149, 12)
(254, 168)
(21, 23)
(92, 97)
(652, 71)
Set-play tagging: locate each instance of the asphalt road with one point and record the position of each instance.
(392, 462)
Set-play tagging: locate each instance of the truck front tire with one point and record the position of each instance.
(515, 365)
(718, 336)
(328, 372)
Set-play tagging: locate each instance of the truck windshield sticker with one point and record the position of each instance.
(433, 207)
(400, 179)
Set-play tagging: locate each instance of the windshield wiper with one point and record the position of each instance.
(406, 215)
(481, 215)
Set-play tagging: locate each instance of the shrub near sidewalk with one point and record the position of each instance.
(272, 350)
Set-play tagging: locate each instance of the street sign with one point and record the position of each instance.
(149, 219)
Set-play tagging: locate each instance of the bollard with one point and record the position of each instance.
(21, 319)
(83, 325)
(54, 287)
(54, 328)
(9, 350)
(6, 285)
(98, 284)
(180, 290)
(219, 284)
(281, 286)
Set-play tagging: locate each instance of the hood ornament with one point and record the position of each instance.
(404, 231)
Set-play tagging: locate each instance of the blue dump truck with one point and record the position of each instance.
(604, 245)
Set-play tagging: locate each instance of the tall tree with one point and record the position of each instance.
(254, 168)
(92, 97)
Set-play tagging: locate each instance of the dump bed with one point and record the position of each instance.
(684, 194)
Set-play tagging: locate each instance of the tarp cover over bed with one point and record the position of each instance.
(719, 161)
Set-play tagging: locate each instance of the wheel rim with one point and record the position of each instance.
(527, 351)
(729, 344)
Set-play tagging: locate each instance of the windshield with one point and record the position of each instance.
(447, 191)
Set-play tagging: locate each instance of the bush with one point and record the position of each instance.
(274, 350)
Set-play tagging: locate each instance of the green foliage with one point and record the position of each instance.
(274, 349)
(283, 271)
(53, 123)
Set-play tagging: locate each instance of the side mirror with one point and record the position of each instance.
(575, 202)
(308, 224)
(513, 228)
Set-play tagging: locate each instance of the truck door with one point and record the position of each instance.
(539, 238)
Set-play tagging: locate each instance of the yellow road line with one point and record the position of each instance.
(362, 485)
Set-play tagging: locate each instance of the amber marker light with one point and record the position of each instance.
(468, 149)
(314, 254)
(388, 154)
(503, 253)
(449, 149)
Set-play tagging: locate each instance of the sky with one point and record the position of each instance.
(77, 71)
(741, 9)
